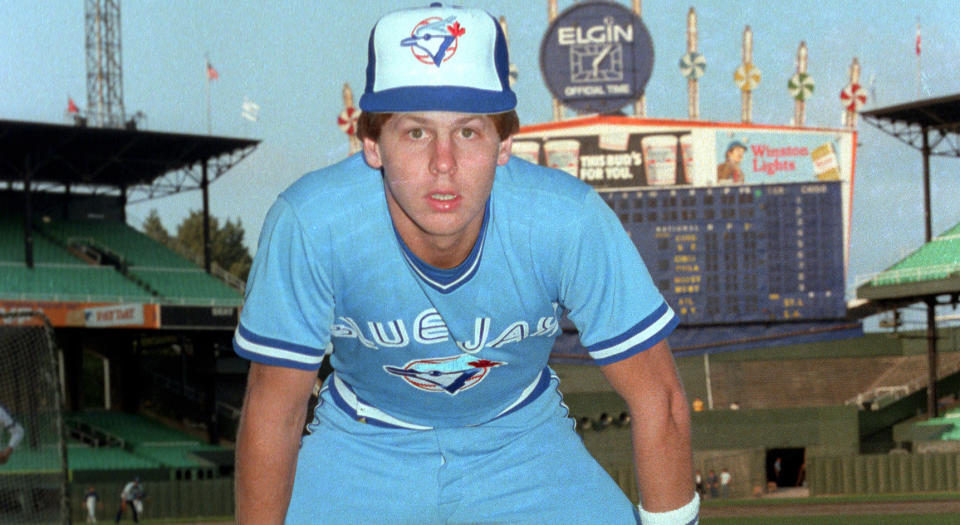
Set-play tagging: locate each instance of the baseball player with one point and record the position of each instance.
(14, 433)
(90, 501)
(436, 268)
(128, 498)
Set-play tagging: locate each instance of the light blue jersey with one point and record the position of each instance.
(420, 347)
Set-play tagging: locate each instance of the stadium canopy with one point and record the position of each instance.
(141, 164)
(931, 126)
(910, 122)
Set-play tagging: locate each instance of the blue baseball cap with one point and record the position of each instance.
(438, 58)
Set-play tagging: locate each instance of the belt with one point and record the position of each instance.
(347, 400)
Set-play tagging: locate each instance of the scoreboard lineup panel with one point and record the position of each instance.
(744, 253)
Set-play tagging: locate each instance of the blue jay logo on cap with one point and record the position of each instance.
(434, 40)
(444, 374)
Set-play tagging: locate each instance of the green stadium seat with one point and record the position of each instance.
(154, 272)
(938, 259)
(71, 282)
(148, 444)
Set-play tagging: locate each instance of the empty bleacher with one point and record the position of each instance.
(68, 282)
(137, 248)
(936, 259)
(792, 383)
(187, 285)
(102, 440)
(101, 260)
(818, 375)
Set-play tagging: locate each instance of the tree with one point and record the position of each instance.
(226, 244)
(154, 228)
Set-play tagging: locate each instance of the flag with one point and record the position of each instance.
(918, 39)
(211, 72)
(250, 110)
(72, 106)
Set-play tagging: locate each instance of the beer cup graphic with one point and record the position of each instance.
(563, 154)
(660, 159)
(527, 150)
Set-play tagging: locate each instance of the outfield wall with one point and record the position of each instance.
(883, 473)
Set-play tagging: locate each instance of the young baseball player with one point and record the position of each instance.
(434, 267)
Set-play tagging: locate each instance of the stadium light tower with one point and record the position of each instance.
(104, 70)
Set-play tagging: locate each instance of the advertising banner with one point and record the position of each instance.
(619, 152)
(89, 315)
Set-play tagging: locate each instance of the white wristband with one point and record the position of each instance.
(688, 514)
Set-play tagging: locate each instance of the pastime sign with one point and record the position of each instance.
(597, 57)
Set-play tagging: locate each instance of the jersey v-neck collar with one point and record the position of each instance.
(446, 280)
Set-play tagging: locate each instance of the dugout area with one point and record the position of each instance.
(141, 331)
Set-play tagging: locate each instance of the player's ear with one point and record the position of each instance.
(371, 153)
(504, 154)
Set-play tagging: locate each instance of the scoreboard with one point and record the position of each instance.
(741, 253)
(738, 223)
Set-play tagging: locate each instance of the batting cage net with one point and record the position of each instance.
(33, 466)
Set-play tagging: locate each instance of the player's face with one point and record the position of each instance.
(438, 170)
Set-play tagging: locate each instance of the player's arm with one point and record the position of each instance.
(660, 428)
(268, 440)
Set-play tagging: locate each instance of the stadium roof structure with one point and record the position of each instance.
(912, 121)
(142, 164)
(931, 126)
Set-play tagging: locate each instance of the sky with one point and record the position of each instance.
(292, 58)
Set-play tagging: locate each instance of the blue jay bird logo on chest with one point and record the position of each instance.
(444, 374)
(434, 40)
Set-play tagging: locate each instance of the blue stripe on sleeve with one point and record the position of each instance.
(275, 352)
(643, 335)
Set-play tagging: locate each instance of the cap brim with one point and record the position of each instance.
(438, 98)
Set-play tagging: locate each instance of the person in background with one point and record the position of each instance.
(725, 479)
(91, 502)
(129, 494)
(713, 484)
(14, 432)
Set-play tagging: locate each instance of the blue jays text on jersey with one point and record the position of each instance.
(428, 327)
(447, 374)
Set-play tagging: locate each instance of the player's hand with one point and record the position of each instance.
(5, 455)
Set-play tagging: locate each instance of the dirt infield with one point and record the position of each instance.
(753, 509)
